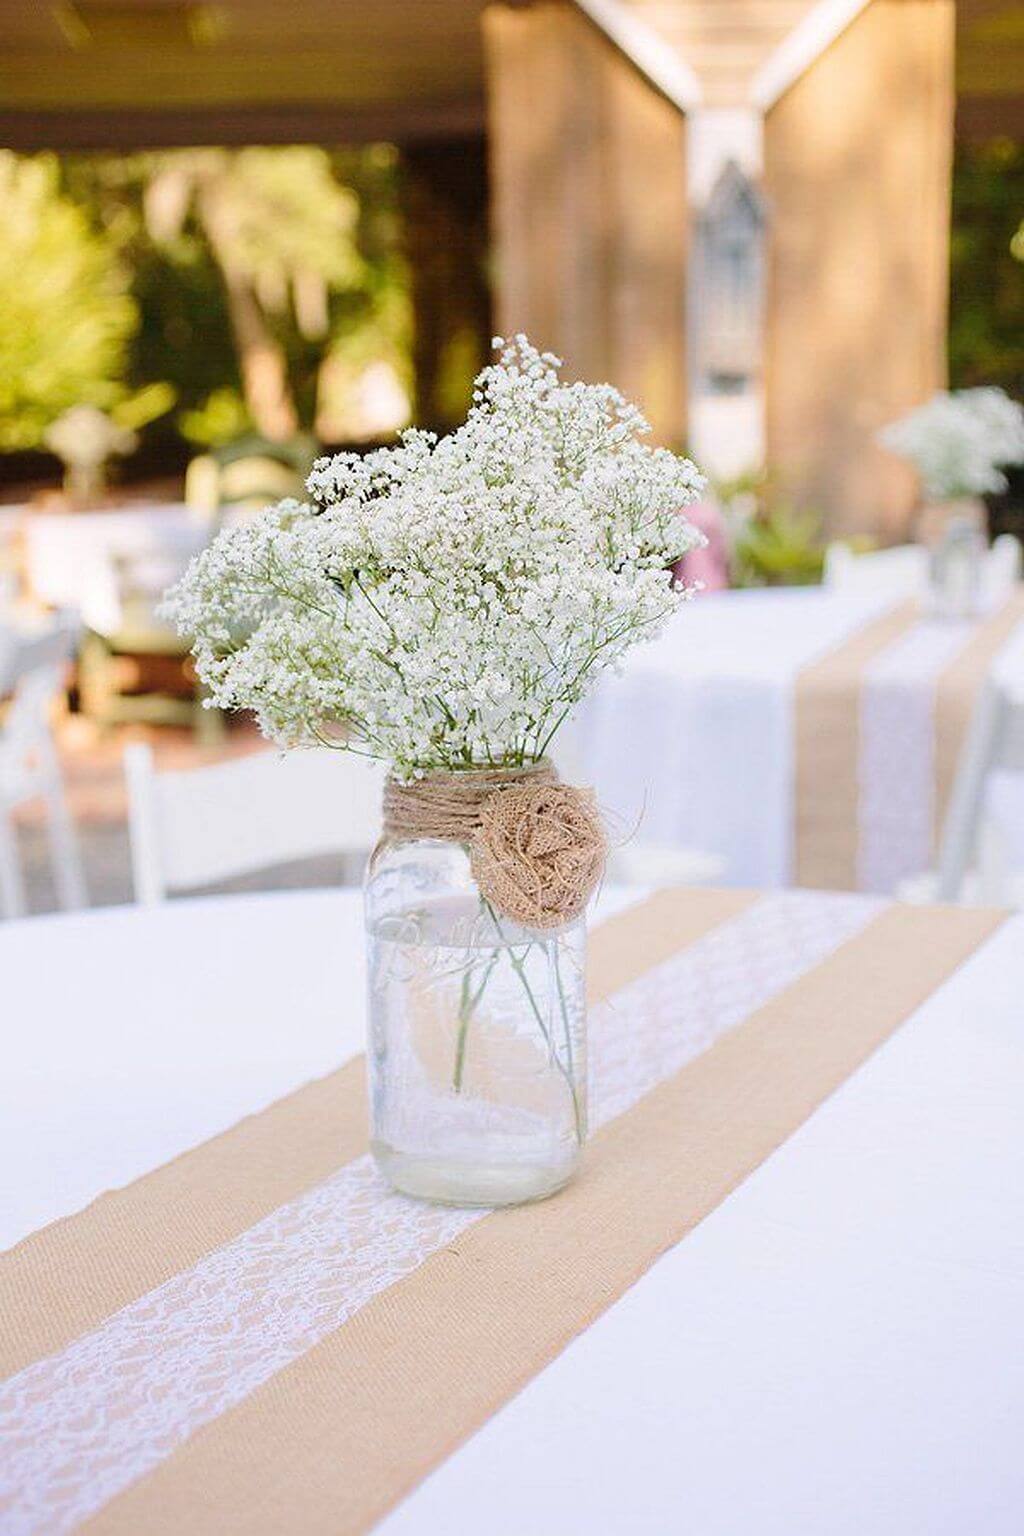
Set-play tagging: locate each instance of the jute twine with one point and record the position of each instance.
(537, 847)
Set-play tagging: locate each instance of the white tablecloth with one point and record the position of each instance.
(694, 744)
(78, 560)
(209, 1009)
(838, 1348)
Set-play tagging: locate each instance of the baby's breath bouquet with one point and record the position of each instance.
(443, 606)
(960, 442)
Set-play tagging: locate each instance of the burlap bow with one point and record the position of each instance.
(537, 847)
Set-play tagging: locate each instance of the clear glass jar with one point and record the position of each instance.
(477, 1039)
(956, 565)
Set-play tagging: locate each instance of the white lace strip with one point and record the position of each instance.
(896, 767)
(82, 1425)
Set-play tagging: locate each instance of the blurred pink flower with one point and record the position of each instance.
(709, 565)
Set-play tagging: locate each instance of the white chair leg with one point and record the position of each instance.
(65, 856)
(12, 886)
(993, 865)
(963, 820)
(147, 866)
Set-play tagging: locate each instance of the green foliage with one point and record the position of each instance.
(66, 316)
(373, 321)
(771, 544)
(281, 210)
(220, 418)
(986, 334)
(147, 404)
(137, 282)
(185, 333)
(778, 548)
(314, 237)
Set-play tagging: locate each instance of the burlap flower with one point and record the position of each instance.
(539, 852)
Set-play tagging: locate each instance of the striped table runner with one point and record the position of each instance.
(878, 726)
(260, 1337)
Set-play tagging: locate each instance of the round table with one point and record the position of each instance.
(835, 1347)
(85, 561)
(130, 1034)
(696, 742)
(133, 1033)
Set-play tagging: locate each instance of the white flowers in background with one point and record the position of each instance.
(446, 603)
(958, 442)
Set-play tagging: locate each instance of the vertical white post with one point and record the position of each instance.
(12, 887)
(960, 835)
(726, 432)
(147, 866)
(68, 876)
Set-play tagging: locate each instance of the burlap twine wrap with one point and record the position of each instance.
(537, 847)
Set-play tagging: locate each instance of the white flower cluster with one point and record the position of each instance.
(445, 603)
(957, 442)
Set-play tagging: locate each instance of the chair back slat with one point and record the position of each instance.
(195, 828)
(898, 572)
(25, 654)
(994, 744)
(34, 671)
(1010, 757)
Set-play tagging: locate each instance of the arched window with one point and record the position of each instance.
(730, 254)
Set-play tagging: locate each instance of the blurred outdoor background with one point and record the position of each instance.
(238, 234)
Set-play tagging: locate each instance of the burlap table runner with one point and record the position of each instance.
(827, 788)
(258, 1338)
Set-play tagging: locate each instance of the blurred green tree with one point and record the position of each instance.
(66, 315)
(281, 230)
(269, 280)
(986, 329)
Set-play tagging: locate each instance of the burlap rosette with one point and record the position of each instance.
(537, 847)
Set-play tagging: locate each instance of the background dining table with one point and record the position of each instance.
(829, 1341)
(77, 561)
(804, 735)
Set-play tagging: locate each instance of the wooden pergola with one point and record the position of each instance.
(608, 125)
(127, 74)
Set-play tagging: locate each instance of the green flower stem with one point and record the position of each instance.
(460, 1043)
(467, 1006)
(577, 1108)
(520, 969)
(565, 1067)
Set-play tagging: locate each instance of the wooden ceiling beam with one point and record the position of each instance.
(981, 118)
(362, 76)
(280, 123)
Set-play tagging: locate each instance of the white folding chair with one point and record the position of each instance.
(898, 572)
(640, 863)
(972, 863)
(1003, 567)
(995, 744)
(10, 583)
(193, 828)
(30, 767)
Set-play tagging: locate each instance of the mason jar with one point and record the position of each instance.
(477, 1034)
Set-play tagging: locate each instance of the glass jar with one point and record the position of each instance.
(477, 1035)
(956, 565)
